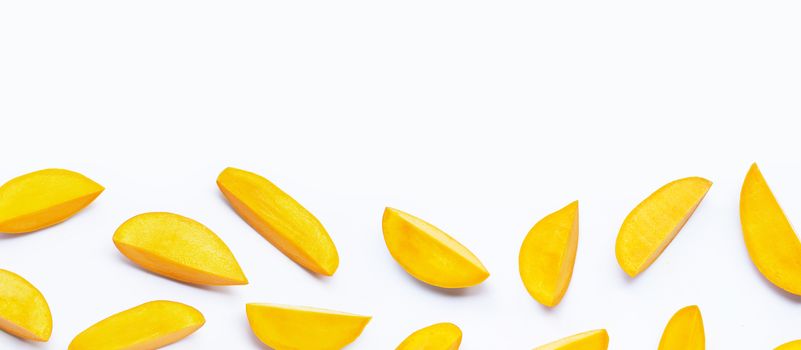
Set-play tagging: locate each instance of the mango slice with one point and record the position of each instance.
(772, 244)
(685, 331)
(44, 198)
(793, 345)
(148, 326)
(429, 254)
(592, 340)
(179, 248)
(653, 224)
(23, 309)
(441, 336)
(302, 328)
(548, 253)
(280, 219)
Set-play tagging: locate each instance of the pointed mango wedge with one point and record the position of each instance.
(685, 331)
(302, 328)
(23, 309)
(179, 248)
(148, 326)
(793, 345)
(592, 340)
(653, 224)
(548, 253)
(441, 336)
(280, 219)
(44, 198)
(429, 254)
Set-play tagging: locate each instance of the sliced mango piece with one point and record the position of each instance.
(653, 224)
(548, 253)
(441, 336)
(302, 328)
(685, 331)
(592, 340)
(179, 248)
(148, 326)
(280, 219)
(793, 345)
(772, 244)
(44, 198)
(429, 254)
(23, 309)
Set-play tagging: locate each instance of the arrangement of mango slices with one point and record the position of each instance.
(185, 250)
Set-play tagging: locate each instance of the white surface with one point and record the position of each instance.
(480, 117)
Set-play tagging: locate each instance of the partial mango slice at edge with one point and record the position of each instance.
(23, 309)
(293, 327)
(440, 336)
(684, 331)
(592, 340)
(793, 345)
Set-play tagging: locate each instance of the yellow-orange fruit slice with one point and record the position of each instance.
(685, 331)
(653, 224)
(303, 328)
(44, 198)
(429, 254)
(23, 309)
(441, 336)
(793, 345)
(280, 219)
(179, 248)
(592, 340)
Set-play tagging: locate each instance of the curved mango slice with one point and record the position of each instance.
(548, 253)
(23, 309)
(793, 345)
(772, 244)
(685, 331)
(441, 336)
(44, 198)
(302, 328)
(280, 219)
(429, 254)
(148, 326)
(179, 248)
(653, 224)
(592, 340)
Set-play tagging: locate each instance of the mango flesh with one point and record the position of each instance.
(548, 253)
(44, 198)
(301, 328)
(179, 248)
(429, 254)
(280, 219)
(653, 224)
(685, 331)
(148, 326)
(592, 340)
(23, 309)
(793, 345)
(771, 242)
(440, 336)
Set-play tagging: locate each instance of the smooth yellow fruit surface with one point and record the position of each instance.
(44, 198)
(302, 328)
(653, 224)
(148, 326)
(179, 248)
(592, 340)
(685, 331)
(280, 219)
(441, 336)
(793, 345)
(23, 309)
(548, 253)
(429, 254)
(772, 244)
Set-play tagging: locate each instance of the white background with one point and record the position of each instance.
(478, 116)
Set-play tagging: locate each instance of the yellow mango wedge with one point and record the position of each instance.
(548, 253)
(429, 254)
(178, 247)
(793, 345)
(772, 244)
(148, 326)
(592, 340)
(441, 336)
(24, 312)
(685, 331)
(302, 328)
(280, 219)
(653, 224)
(44, 198)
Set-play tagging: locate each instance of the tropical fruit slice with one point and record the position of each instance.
(302, 328)
(685, 331)
(23, 309)
(592, 340)
(793, 345)
(441, 336)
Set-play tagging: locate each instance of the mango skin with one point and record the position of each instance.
(793, 345)
(592, 340)
(44, 198)
(24, 312)
(284, 327)
(280, 219)
(440, 336)
(684, 331)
